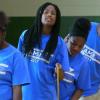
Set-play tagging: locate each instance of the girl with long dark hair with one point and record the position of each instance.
(43, 47)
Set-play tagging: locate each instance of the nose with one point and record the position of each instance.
(49, 14)
(76, 49)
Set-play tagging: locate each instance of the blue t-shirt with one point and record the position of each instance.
(13, 71)
(43, 81)
(92, 51)
(79, 77)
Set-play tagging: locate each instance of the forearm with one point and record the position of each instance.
(77, 94)
(17, 93)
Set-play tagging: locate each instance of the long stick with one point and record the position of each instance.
(58, 66)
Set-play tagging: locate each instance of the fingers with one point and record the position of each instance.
(58, 67)
(59, 71)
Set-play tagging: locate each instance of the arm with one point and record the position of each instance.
(84, 77)
(17, 92)
(77, 94)
(20, 76)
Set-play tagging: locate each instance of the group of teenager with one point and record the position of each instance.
(30, 71)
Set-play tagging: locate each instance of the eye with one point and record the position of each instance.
(53, 13)
(46, 12)
(49, 11)
(73, 43)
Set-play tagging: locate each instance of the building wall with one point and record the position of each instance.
(67, 7)
(22, 14)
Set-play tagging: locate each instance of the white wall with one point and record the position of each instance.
(67, 7)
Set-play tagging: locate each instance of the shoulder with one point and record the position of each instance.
(14, 51)
(83, 58)
(84, 61)
(61, 44)
(93, 26)
(94, 23)
(22, 34)
(61, 41)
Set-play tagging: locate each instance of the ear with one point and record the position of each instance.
(66, 38)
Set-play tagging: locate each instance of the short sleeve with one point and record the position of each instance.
(62, 54)
(20, 70)
(62, 57)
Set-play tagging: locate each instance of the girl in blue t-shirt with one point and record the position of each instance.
(43, 47)
(13, 69)
(91, 50)
(79, 70)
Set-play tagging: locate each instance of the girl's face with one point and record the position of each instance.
(49, 16)
(75, 44)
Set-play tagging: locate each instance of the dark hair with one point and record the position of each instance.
(33, 35)
(3, 21)
(80, 27)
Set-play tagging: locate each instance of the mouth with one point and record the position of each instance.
(73, 52)
(48, 19)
